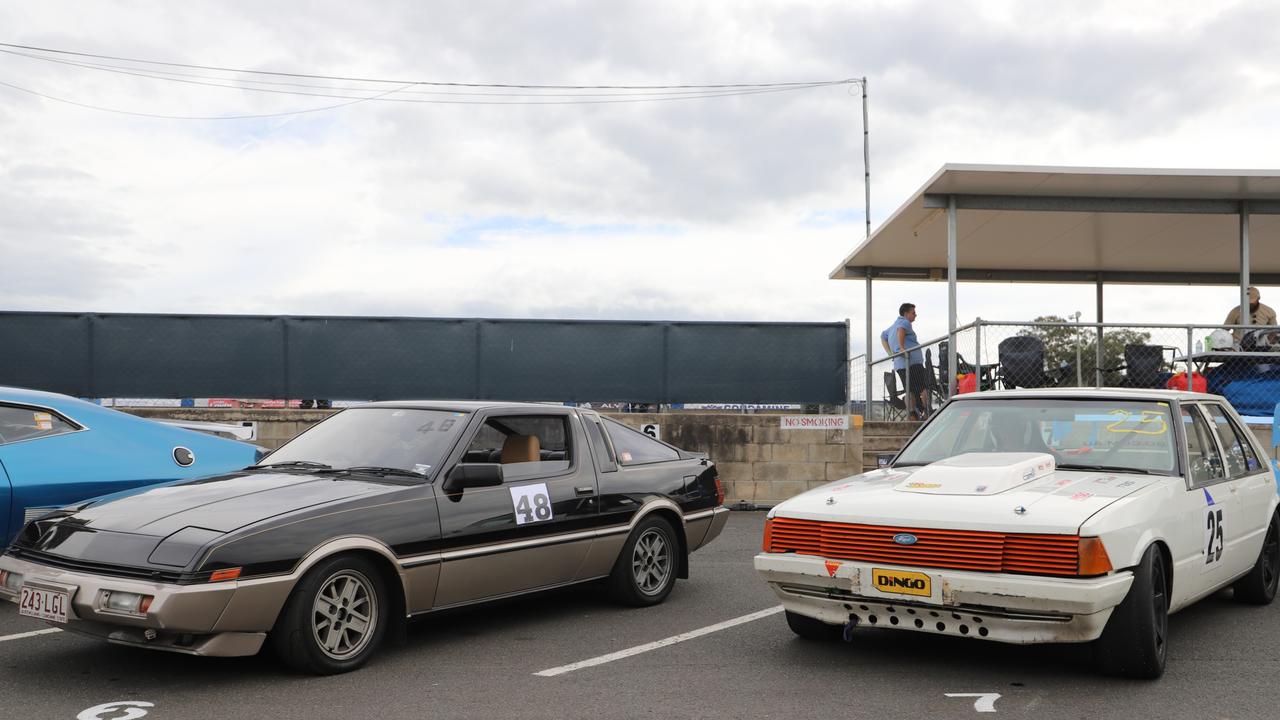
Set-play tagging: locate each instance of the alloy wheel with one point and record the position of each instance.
(344, 614)
(651, 562)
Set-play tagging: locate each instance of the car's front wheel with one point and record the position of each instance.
(335, 617)
(1259, 586)
(1134, 642)
(645, 571)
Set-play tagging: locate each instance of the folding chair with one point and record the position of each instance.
(894, 399)
(1022, 363)
(1144, 365)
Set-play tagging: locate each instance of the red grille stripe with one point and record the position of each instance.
(957, 549)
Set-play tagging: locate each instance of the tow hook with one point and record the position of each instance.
(849, 627)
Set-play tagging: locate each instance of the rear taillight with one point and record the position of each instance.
(768, 534)
(719, 491)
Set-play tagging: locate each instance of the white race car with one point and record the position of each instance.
(1046, 516)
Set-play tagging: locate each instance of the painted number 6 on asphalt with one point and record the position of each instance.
(132, 709)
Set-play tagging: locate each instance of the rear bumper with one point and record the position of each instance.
(192, 619)
(1007, 608)
(702, 527)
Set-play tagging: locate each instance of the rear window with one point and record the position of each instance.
(24, 423)
(634, 447)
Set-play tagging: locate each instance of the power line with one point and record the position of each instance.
(190, 117)
(501, 92)
(632, 96)
(798, 85)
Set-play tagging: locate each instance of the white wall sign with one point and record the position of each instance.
(653, 430)
(815, 422)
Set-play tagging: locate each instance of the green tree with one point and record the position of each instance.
(1060, 349)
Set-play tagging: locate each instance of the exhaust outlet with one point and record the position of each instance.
(847, 634)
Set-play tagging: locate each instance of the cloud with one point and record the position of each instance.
(731, 208)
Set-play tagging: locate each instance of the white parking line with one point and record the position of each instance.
(552, 672)
(33, 633)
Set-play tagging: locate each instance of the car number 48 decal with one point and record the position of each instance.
(532, 503)
(1212, 536)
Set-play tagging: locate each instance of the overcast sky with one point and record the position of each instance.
(730, 208)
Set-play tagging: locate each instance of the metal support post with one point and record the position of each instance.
(977, 354)
(870, 349)
(951, 295)
(1097, 350)
(1246, 317)
(1190, 332)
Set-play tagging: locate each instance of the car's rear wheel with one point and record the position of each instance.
(1259, 586)
(335, 617)
(645, 571)
(812, 628)
(1135, 641)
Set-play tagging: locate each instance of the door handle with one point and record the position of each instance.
(581, 491)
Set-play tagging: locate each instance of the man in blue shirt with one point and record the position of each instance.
(910, 367)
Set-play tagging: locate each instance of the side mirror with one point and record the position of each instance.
(470, 475)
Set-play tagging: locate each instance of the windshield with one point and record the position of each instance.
(402, 438)
(1086, 434)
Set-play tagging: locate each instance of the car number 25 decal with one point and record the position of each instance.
(532, 503)
(1213, 534)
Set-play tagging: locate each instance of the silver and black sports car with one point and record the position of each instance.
(379, 513)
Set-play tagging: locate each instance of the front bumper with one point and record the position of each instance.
(182, 618)
(1019, 609)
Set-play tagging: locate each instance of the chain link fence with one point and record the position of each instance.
(1240, 363)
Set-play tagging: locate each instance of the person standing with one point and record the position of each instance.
(896, 338)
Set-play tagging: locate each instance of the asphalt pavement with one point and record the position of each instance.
(483, 662)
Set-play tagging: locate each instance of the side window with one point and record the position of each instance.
(24, 423)
(1202, 454)
(600, 449)
(1241, 459)
(635, 448)
(528, 446)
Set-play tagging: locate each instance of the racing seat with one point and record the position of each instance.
(520, 449)
(1022, 363)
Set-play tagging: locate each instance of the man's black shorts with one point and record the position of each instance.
(918, 380)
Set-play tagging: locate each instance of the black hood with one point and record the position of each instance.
(222, 504)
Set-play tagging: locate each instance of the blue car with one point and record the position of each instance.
(56, 450)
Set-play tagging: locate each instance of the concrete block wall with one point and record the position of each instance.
(759, 462)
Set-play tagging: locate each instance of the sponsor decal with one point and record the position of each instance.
(905, 539)
(1064, 482)
(1030, 473)
(923, 485)
(1081, 496)
(980, 488)
(1207, 497)
(1128, 483)
(901, 582)
(1107, 480)
(832, 567)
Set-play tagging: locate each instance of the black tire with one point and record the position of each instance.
(646, 568)
(812, 628)
(297, 635)
(1135, 641)
(1259, 586)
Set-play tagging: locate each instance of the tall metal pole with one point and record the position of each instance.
(866, 157)
(951, 296)
(1246, 317)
